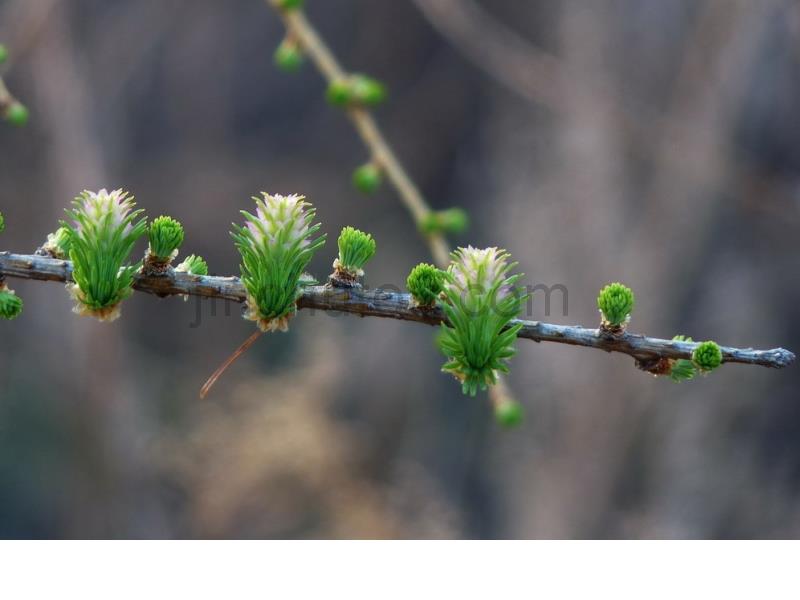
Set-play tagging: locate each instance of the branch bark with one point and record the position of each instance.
(393, 305)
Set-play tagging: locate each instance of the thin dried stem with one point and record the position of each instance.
(228, 362)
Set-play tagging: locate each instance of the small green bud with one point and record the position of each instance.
(339, 93)
(616, 304)
(17, 114)
(425, 282)
(288, 57)
(707, 356)
(2, 222)
(58, 244)
(358, 90)
(356, 248)
(452, 220)
(367, 90)
(290, 4)
(367, 178)
(165, 235)
(509, 414)
(3, 54)
(194, 265)
(10, 304)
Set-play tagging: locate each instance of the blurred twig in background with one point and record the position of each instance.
(500, 52)
(304, 34)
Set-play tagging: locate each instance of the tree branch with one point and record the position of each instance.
(394, 305)
(304, 34)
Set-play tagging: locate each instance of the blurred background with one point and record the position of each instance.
(655, 143)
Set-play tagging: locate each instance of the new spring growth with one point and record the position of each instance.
(367, 178)
(165, 236)
(682, 369)
(450, 221)
(3, 54)
(10, 303)
(481, 301)
(425, 282)
(356, 248)
(194, 265)
(616, 305)
(707, 356)
(288, 56)
(101, 238)
(356, 90)
(57, 244)
(276, 244)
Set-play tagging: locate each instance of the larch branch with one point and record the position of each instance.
(394, 305)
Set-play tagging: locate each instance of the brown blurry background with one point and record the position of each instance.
(648, 141)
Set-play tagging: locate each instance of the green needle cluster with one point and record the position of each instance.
(276, 244)
(101, 238)
(616, 304)
(707, 356)
(194, 265)
(165, 235)
(425, 282)
(356, 248)
(10, 303)
(481, 301)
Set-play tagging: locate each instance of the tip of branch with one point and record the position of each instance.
(782, 357)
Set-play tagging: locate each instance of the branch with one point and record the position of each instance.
(499, 51)
(393, 305)
(304, 34)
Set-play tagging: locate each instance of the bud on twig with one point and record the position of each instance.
(616, 304)
(356, 248)
(707, 356)
(288, 56)
(425, 282)
(367, 178)
(452, 220)
(165, 236)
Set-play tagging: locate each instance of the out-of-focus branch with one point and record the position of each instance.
(306, 36)
(394, 305)
(499, 51)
